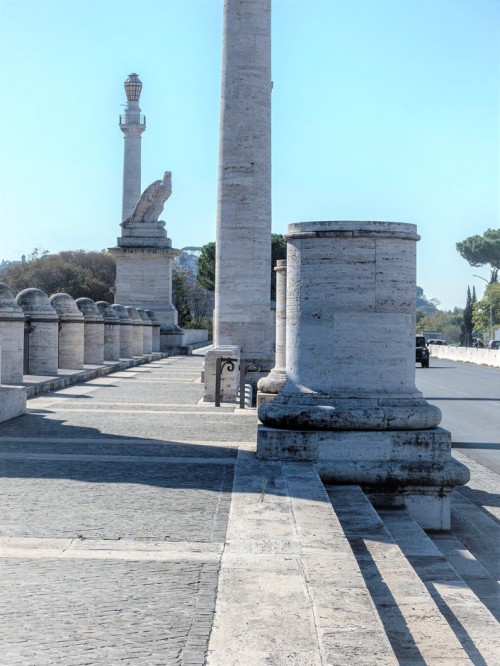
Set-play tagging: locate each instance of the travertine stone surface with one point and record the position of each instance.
(12, 402)
(111, 331)
(358, 415)
(43, 323)
(275, 380)
(147, 331)
(71, 331)
(349, 281)
(93, 331)
(11, 338)
(126, 331)
(242, 291)
(155, 335)
(137, 331)
(230, 376)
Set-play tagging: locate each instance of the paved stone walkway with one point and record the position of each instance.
(138, 527)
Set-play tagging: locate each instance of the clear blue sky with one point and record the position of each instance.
(382, 109)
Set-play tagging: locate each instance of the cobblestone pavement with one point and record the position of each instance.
(115, 497)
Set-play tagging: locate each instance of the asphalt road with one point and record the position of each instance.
(469, 398)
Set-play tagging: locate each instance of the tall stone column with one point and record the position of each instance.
(272, 384)
(132, 124)
(243, 256)
(350, 402)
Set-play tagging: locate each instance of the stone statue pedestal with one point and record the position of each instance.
(144, 257)
(354, 409)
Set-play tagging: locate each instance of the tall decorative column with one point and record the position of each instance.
(243, 239)
(355, 410)
(132, 124)
(269, 386)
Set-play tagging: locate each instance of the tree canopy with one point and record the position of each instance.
(481, 310)
(206, 267)
(77, 273)
(480, 250)
(206, 263)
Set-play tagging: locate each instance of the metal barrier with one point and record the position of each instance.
(220, 364)
(247, 364)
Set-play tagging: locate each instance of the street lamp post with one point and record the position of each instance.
(491, 306)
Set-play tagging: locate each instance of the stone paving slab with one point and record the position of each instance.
(282, 537)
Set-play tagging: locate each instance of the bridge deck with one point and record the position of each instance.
(138, 526)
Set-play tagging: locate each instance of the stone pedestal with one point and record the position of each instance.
(111, 331)
(11, 337)
(12, 402)
(269, 386)
(137, 331)
(147, 332)
(93, 331)
(230, 375)
(144, 257)
(155, 335)
(356, 411)
(71, 331)
(126, 331)
(42, 327)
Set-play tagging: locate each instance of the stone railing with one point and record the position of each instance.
(41, 335)
(489, 357)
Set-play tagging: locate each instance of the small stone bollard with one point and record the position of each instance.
(111, 331)
(126, 334)
(71, 331)
(43, 332)
(147, 332)
(137, 331)
(230, 376)
(93, 331)
(155, 330)
(12, 337)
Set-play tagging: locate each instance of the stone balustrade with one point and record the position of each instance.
(111, 331)
(40, 335)
(137, 331)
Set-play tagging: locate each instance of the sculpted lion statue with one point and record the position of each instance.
(152, 201)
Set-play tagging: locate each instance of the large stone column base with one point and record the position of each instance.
(268, 387)
(411, 468)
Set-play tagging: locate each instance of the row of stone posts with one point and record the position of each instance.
(39, 334)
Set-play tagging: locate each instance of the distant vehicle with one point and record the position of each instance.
(437, 342)
(494, 344)
(422, 353)
(477, 343)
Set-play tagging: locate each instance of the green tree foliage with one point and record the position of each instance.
(278, 251)
(424, 304)
(77, 273)
(481, 310)
(480, 250)
(446, 322)
(206, 263)
(467, 325)
(206, 267)
(192, 301)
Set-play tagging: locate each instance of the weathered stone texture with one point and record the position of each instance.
(43, 323)
(71, 331)
(11, 338)
(93, 331)
(242, 293)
